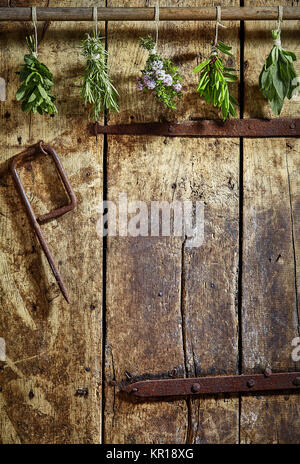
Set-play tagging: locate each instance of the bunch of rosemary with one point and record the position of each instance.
(36, 84)
(97, 89)
(278, 78)
(214, 79)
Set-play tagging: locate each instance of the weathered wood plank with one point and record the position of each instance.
(52, 348)
(270, 320)
(191, 326)
(210, 291)
(145, 14)
(144, 333)
(270, 251)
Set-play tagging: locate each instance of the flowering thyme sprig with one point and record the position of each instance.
(159, 76)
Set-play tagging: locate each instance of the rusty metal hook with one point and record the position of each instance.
(35, 222)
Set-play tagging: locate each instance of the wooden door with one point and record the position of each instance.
(147, 307)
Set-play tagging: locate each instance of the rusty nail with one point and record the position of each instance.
(268, 372)
(196, 388)
(173, 373)
(250, 383)
(296, 381)
(112, 383)
(82, 392)
(134, 390)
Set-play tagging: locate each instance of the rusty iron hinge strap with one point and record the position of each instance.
(289, 127)
(213, 385)
(30, 154)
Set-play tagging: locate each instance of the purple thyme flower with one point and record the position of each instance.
(149, 82)
(177, 87)
(160, 75)
(139, 84)
(156, 65)
(168, 80)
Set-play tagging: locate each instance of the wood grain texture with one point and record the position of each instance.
(192, 326)
(270, 318)
(146, 14)
(52, 348)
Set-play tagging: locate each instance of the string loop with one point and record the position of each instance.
(218, 24)
(95, 19)
(280, 15)
(277, 41)
(156, 19)
(34, 22)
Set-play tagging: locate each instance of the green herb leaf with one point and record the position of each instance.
(277, 79)
(201, 66)
(36, 84)
(160, 76)
(97, 89)
(214, 79)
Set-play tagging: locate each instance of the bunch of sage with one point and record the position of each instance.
(214, 79)
(36, 84)
(278, 78)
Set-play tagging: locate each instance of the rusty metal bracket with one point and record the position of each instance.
(258, 128)
(214, 385)
(30, 154)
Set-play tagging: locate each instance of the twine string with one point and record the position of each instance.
(95, 19)
(218, 24)
(156, 19)
(34, 22)
(277, 41)
(280, 15)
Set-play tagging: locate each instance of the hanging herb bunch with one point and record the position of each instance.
(214, 80)
(37, 81)
(160, 76)
(278, 78)
(97, 89)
